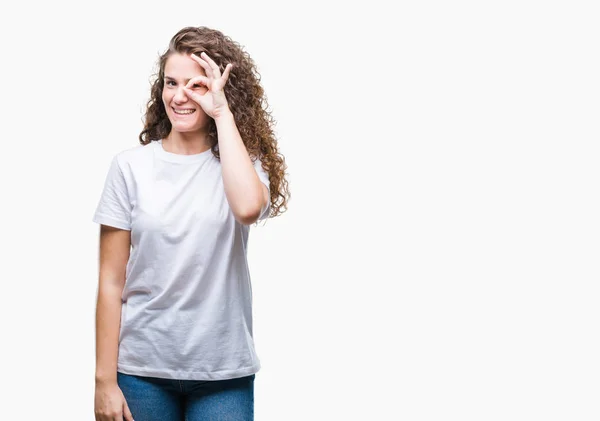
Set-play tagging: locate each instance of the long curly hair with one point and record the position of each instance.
(245, 96)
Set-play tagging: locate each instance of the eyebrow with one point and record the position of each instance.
(175, 80)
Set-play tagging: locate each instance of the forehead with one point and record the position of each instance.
(180, 66)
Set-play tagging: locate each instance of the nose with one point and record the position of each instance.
(180, 96)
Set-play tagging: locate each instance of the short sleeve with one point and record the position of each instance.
(114, 207)
(264, 178)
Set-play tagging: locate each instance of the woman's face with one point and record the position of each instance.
(185, 115)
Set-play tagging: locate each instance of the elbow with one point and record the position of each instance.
(250, 214)
(248, 217)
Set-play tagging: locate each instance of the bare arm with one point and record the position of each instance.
(246, 194)
(114, 253)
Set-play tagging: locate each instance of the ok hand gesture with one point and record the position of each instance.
(213, 101)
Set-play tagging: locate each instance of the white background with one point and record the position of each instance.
(439, 259)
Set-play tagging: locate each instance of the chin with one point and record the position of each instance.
(185, 127)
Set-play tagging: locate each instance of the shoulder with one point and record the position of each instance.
(134, 155)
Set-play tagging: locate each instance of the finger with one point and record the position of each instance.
(227, 71)
(194, 96)
(198, 80)
(213, 65)
(127, 415)
(202, 63)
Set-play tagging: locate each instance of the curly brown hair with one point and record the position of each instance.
(246, 98)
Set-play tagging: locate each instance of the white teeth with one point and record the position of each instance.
(183, 111)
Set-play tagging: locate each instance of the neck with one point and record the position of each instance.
(186, 143)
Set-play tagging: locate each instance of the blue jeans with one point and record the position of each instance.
(156, 399)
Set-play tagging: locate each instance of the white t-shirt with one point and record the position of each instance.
(187, 300)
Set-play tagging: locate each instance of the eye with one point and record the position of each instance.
(170, 83)
(196, 85)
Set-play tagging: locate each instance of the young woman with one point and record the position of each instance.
(174, 312)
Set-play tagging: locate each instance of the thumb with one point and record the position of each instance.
(127, 416)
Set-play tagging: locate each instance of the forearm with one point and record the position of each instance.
(243, 188)
(108, 322)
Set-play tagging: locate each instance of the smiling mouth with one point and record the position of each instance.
(183, 112)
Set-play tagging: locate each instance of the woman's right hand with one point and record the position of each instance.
(110, 403)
